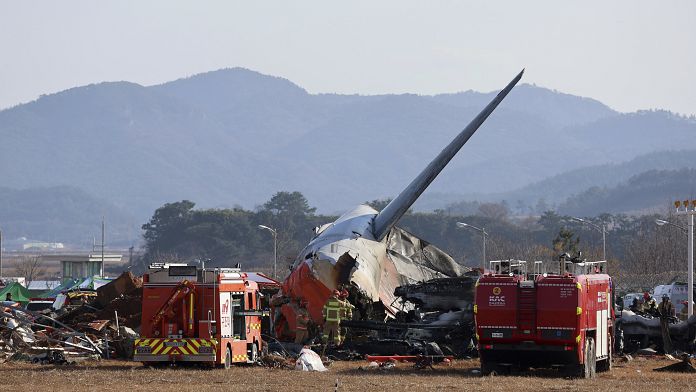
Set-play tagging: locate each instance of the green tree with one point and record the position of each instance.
(289, 204)
(565, 243)
(165, 228)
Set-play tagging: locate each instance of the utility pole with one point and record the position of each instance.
(102, 267)
(0, 253)
(690, 254)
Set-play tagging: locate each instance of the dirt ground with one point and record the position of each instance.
(634, 376)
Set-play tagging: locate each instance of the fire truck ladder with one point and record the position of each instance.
(181, 291)
(526, 308)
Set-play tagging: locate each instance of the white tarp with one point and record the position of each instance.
(309, 361)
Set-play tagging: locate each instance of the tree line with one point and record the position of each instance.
(639, 253)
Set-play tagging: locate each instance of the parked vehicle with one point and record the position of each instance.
(542, 319)
(191, 314)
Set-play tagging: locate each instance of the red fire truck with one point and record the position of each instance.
(542, 319)
(192, 314)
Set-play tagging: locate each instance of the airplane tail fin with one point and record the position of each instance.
(388, 217)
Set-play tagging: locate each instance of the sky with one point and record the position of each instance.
(630, 55)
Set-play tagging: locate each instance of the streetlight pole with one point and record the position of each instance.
(602, 229)
(662, 222)
(275, 249)
(483, 234)
(690, 256)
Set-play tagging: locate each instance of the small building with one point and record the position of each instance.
(81, 266)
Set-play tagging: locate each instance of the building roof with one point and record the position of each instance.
(43, 285)
(82, 257)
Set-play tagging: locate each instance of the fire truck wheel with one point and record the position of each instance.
(488, 368)
(589, 369)
(228, 358)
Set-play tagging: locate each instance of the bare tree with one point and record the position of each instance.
(30, 267)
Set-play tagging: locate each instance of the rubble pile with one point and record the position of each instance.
(81, 325)
(436, 319)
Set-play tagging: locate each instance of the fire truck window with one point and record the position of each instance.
(238, 320)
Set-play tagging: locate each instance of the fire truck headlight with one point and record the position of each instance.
(157, 333)
(181, 332)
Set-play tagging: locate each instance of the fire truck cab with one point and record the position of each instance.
(545, 319)
(192, 314)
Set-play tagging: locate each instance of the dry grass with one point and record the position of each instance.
(635, 376)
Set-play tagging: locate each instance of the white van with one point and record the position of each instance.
(677, 293)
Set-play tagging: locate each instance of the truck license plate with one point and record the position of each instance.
(174, 344)
(497, 334)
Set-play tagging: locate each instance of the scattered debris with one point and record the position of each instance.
(419, 361)
(646, 351)
(686, 365)
(309, 361)
(81, 325)
(277, 361)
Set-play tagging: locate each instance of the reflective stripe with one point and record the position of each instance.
(182, 346)
(332, 310)
(333, 315)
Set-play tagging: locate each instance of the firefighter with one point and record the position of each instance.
(332, 319)
(649, 304)
(665, 308)
(635, 305)
(301, 322)
(346, 312)
(666, 311)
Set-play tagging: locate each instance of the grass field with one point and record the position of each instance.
(634, 376)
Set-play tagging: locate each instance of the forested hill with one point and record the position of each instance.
(234, 137)
(64, 214)
(649, 192)
(556, 189)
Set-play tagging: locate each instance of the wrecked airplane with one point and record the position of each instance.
(365, 253)
(638, 331)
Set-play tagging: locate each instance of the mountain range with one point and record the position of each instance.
(234, 137)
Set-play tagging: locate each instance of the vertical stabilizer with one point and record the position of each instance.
(388, 217)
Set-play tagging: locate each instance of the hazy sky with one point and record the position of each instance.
(629, 54)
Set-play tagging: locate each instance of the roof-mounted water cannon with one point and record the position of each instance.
(508, 267)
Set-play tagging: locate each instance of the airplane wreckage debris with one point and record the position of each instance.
(436, 319)
(637, 331)
(387, 271)
(87, 325)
